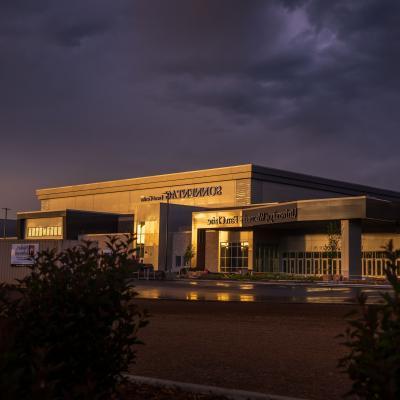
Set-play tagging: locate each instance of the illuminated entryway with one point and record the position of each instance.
(234, 256)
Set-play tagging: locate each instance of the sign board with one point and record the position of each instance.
(269, 215)
(244, 218)
(187, 193)
(23, 254)
(224, 219)
(217, 219)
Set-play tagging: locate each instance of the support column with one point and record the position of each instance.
(351, 249)
(199, 247)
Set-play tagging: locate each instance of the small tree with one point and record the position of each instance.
(189, 254)
(332, 248)
(373, 338)
(73, 325)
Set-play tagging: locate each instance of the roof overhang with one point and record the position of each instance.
(360, 207)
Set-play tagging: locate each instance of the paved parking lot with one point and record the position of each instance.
(284, 349)
(256, 291)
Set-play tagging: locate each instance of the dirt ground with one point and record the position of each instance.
(283, 349)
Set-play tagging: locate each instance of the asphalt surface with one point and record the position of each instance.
(269, 292)
(277, 348)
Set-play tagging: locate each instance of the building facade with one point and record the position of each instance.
(231, 219)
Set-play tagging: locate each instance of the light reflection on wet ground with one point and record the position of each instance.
(254, 292)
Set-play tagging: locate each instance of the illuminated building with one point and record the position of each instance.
(237, 218)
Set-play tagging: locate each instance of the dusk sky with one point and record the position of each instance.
(94, 90)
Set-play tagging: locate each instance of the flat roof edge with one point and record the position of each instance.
(63, 212)
(233, 169)
(330, 183)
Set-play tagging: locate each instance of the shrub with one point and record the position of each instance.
(260, 276)
(373, 337)
(72, 325)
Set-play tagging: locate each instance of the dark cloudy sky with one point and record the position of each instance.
(96, 90)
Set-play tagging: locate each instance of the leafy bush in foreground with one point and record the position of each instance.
(373, 338)
(71, 325)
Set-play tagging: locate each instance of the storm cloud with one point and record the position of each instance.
(95, 90)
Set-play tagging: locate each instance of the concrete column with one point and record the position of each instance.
(212, 251)
(199, 247)
(351, 249)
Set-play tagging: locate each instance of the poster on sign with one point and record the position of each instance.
(23, 254)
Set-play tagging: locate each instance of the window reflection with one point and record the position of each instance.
(223, 297)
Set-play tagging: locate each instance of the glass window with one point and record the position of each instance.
(300, 267)
(308, 267)
(316, 267)
(234, 251)
(334, 267)
(324, 266)
(292, 265)
(233, 256)
(178, 261)
(140, 233)
(379, 267)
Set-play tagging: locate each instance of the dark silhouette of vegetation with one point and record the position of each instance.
(71, 325)
(373, 338)
(189, 254)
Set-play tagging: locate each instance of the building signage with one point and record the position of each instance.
(205, 191)
(269, 215)
(23, 254)
(224, 220)
(252, 217)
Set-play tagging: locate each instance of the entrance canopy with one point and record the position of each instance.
(343, 208)
(354, 214)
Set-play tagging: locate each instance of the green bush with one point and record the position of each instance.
(373, 338)
(71, 325)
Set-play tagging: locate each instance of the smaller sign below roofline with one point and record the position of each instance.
(270, 215)
(248, 217)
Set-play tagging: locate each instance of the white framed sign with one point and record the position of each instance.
(23, 254)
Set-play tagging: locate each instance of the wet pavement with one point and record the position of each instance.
(270, 292)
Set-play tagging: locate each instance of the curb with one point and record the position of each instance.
(296, 283)
(231, 394)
